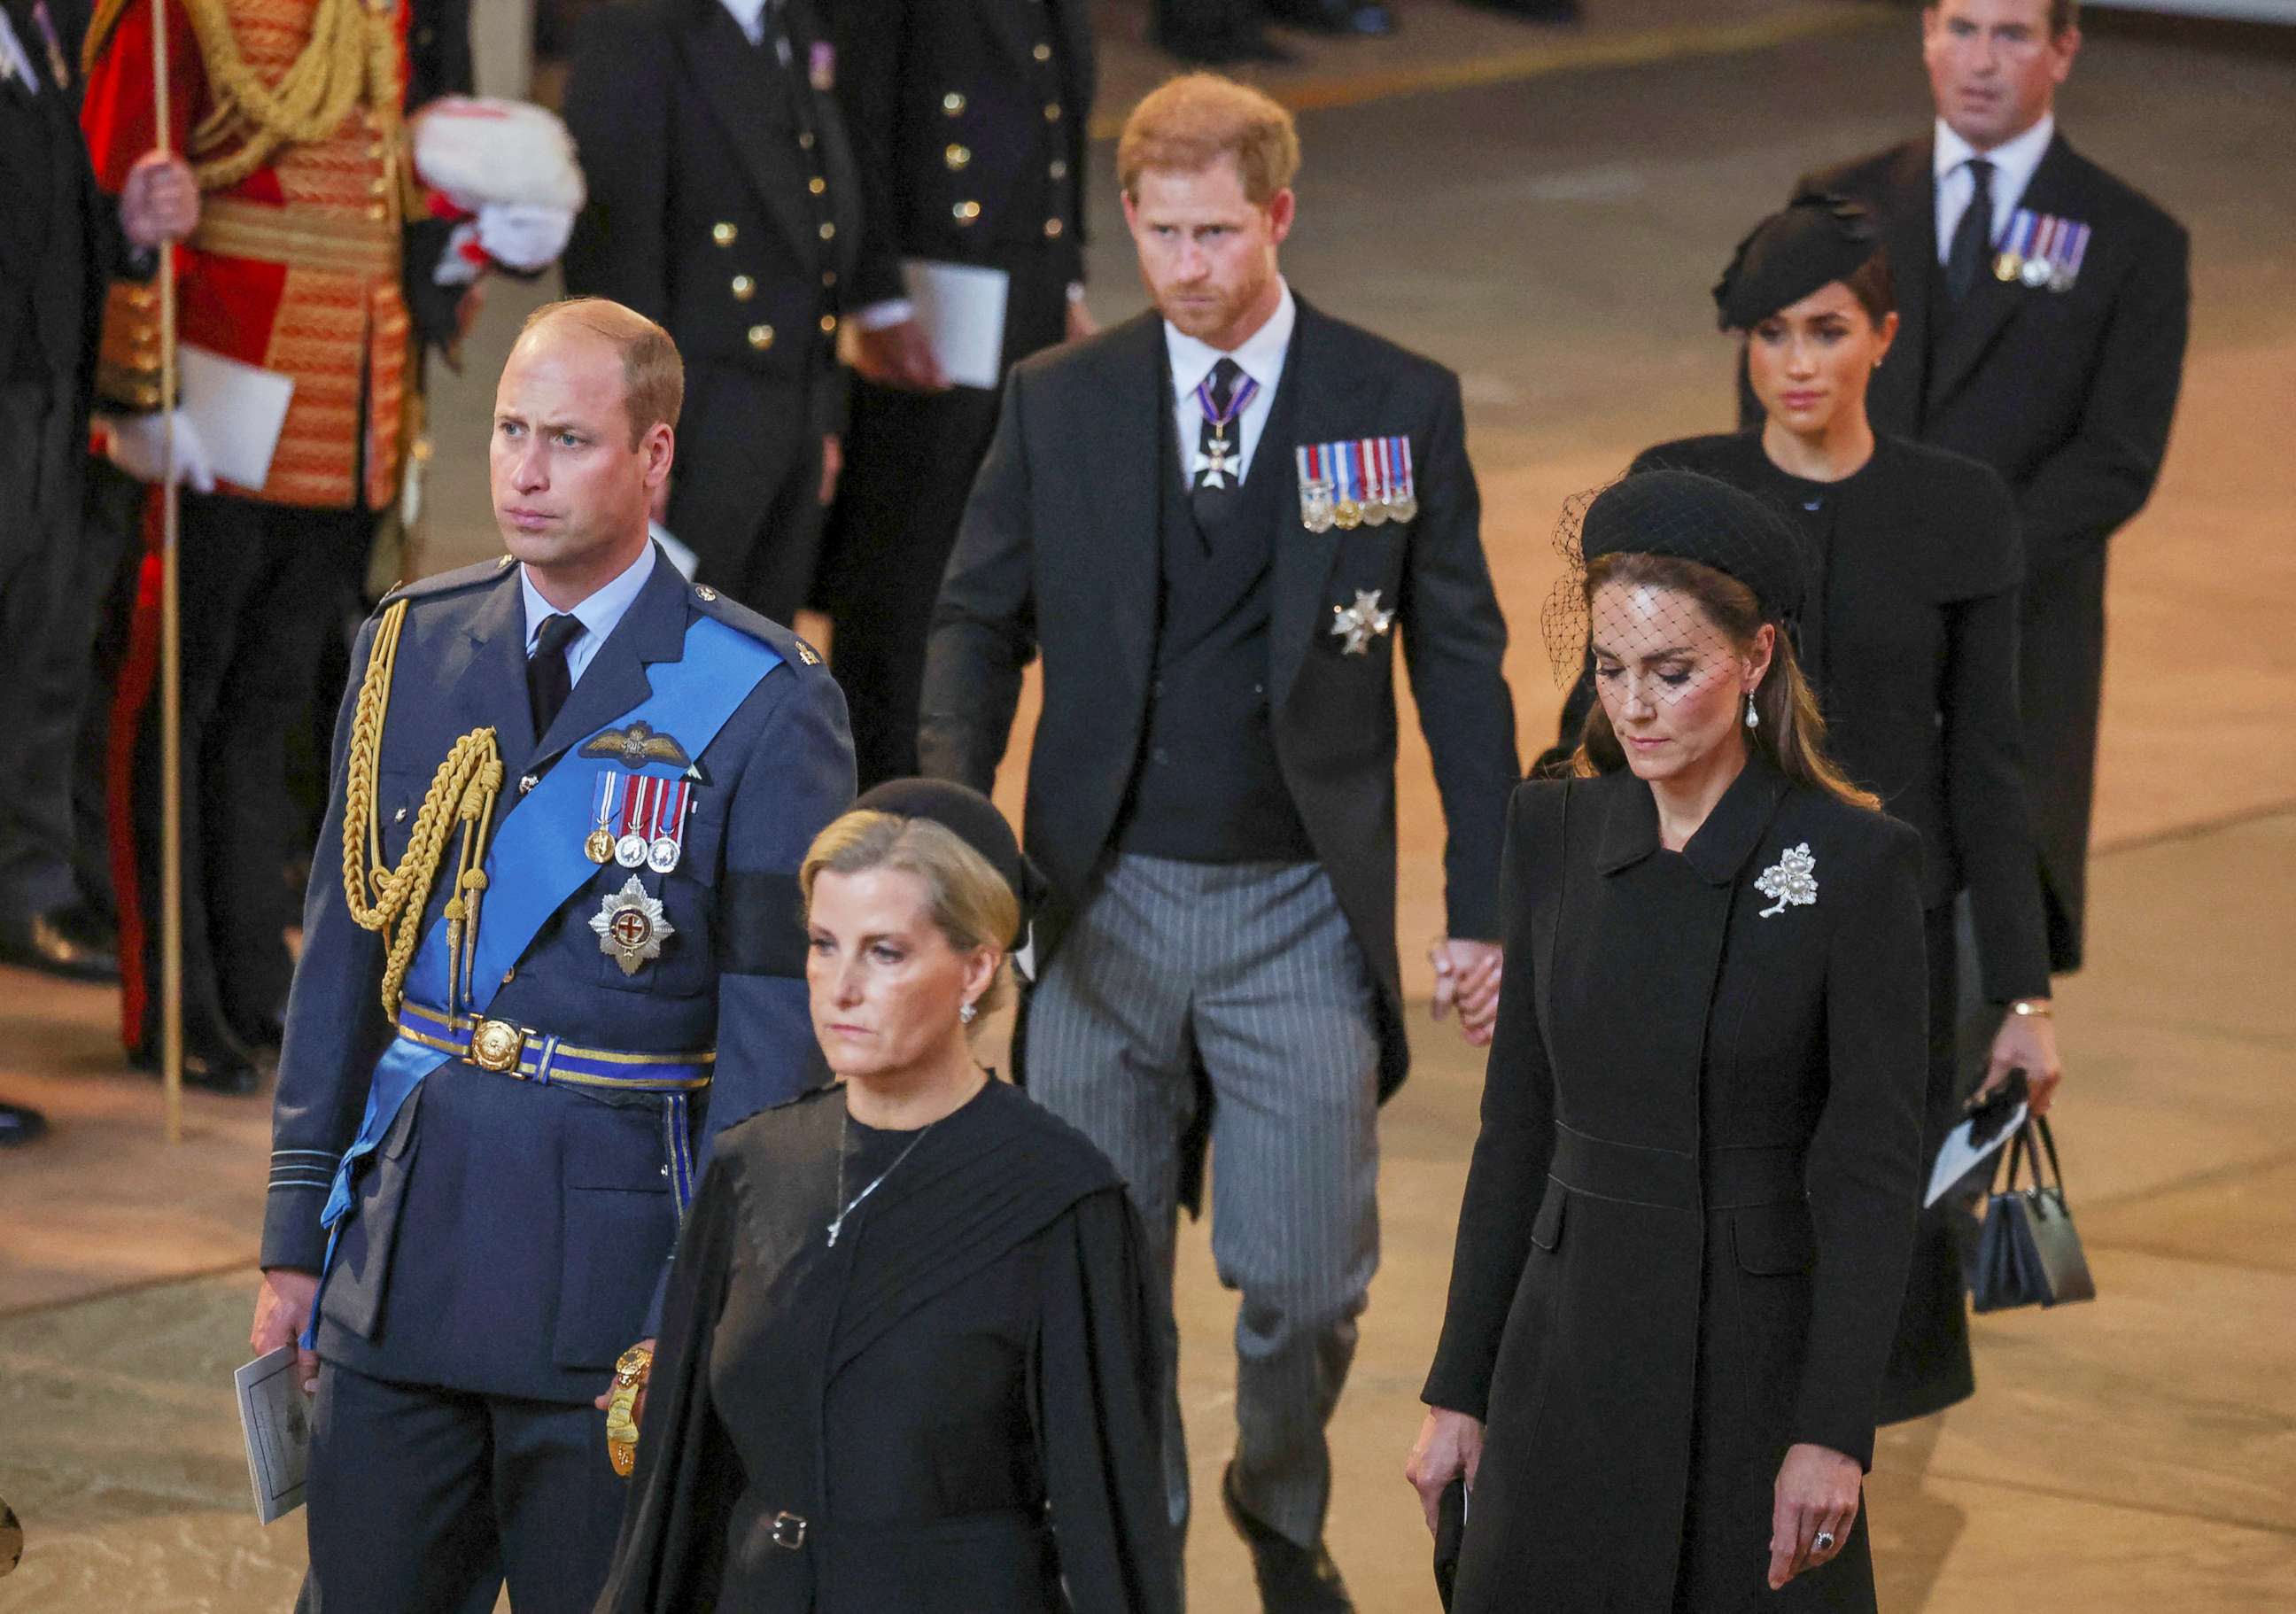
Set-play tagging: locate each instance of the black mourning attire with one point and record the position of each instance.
(1685, 1229)
(952, 1408)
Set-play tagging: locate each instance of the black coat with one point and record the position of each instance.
(1911, 643)
(1059, 555)
(1710, 1095)
(945, 104)
(2069, 396)
(957, 1404)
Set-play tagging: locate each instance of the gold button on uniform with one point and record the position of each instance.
(1052, 227)
(723, 234)
(1052, 111)
(829, 277)
(956, 157)
(829, 324)
(1059, 168)
(817, 185)
(805, 140)
(828, 231)
(744, 288)
(952, 104)
(761, 337)
(966, 211)
(1043, 53)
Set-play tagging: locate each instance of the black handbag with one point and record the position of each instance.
(2027, 1253)
(1450, 1530)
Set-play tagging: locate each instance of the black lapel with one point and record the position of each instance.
(1326, 408)
(485, 673)
(1123, 464)
(1909, 211)
(1076, 59)
(1004, 20)
(735, 78)
(654, 629)
(1994, 302)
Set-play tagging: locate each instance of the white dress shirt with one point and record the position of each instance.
(750, 17)
(598, 614)
(2014, 162)
(1261, 358)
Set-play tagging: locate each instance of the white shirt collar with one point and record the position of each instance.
(751, 14)
(15, 61)
(2014, 161)
(1260, 358)
(598, 615)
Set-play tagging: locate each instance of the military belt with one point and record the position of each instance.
(520, 1051)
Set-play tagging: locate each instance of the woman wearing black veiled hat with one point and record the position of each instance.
(1910, 639)
(907, 1360)
(1660, 1383)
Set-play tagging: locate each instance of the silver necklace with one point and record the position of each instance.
(844, 1135)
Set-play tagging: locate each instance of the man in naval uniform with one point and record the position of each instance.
(570, 798)
(1214, 522)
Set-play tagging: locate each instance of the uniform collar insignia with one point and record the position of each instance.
(637, 745)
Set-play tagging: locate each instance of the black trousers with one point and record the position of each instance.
(910, 459)
(49, 587)
(425, 1501)
(746, 493)
(258, 584)
(1929, 1367)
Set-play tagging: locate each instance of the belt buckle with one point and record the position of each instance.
(495, 1045)
(789, 1531)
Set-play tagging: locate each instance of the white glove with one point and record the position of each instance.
(138, 449)
(524, 236)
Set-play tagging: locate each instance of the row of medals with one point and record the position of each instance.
(1319, 511)
(633, 851)
(2035, 272)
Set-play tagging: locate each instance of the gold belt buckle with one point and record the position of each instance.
(495, 1045)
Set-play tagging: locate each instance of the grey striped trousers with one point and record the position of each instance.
(1249, 971)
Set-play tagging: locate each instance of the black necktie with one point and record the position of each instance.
(1219, 441)
(548, 679)
(1972, 238)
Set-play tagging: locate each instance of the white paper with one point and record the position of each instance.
(961, 309)
(277, 1420)
(237, 409)
(1960, 1151)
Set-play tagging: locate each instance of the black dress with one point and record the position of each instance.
(1911, 643)
(1686, 1225)
(955, 1408)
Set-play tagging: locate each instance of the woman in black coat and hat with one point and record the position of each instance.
(1660, 1383)
(907, 1360)
(1910, 639)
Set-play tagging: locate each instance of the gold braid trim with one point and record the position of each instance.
(463, 790)
(352, 57)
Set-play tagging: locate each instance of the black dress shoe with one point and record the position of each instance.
(19, 1125)
(214, 1060)
(70, 942)
(1293, 1579)
(1364, 19)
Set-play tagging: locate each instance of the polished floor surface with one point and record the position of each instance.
(1543, 212)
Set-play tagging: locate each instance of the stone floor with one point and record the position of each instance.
(1543, 212)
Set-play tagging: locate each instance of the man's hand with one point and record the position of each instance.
(2027, 1043)
(1816, 1502)
(161, 201)
(898, 356)
(832, 466)
(1450, 1446)
(1081, 323)
(282, 1306)
(1467, 980)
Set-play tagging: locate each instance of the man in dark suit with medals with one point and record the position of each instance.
(723, 203)
(1214, 522)
(2044, 306)
(571, 793)
(64, 239)
(969, 122)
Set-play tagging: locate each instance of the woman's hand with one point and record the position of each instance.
(1817, 1494)
(2027, 1043)
(1450, 1446)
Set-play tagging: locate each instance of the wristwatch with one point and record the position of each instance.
(2033, 1008)
(630, 1375)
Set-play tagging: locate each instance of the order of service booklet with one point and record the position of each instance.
(277, 1418)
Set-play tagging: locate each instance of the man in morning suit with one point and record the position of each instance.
(1214, 522)
(2044, 306)
(723, 203)
(570, 795)
(969, 122)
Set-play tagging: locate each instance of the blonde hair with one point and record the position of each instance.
(653, 376)
(1190, 122)
(971, 904)
(1792, 732)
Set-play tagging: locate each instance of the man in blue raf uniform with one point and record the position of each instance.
(570, 793)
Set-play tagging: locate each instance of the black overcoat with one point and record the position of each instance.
(1058, 556)
(2069, 396)
(1685, 1231)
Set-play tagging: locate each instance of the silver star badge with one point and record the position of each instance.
(1360, 624)
(1791, 882)
(631, 926)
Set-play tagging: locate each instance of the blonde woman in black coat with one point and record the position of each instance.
(1687, 1222)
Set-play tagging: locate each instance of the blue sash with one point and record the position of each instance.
(534, 864)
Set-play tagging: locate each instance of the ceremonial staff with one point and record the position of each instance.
(171, 651)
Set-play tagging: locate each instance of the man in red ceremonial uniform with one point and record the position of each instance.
(319, 261)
